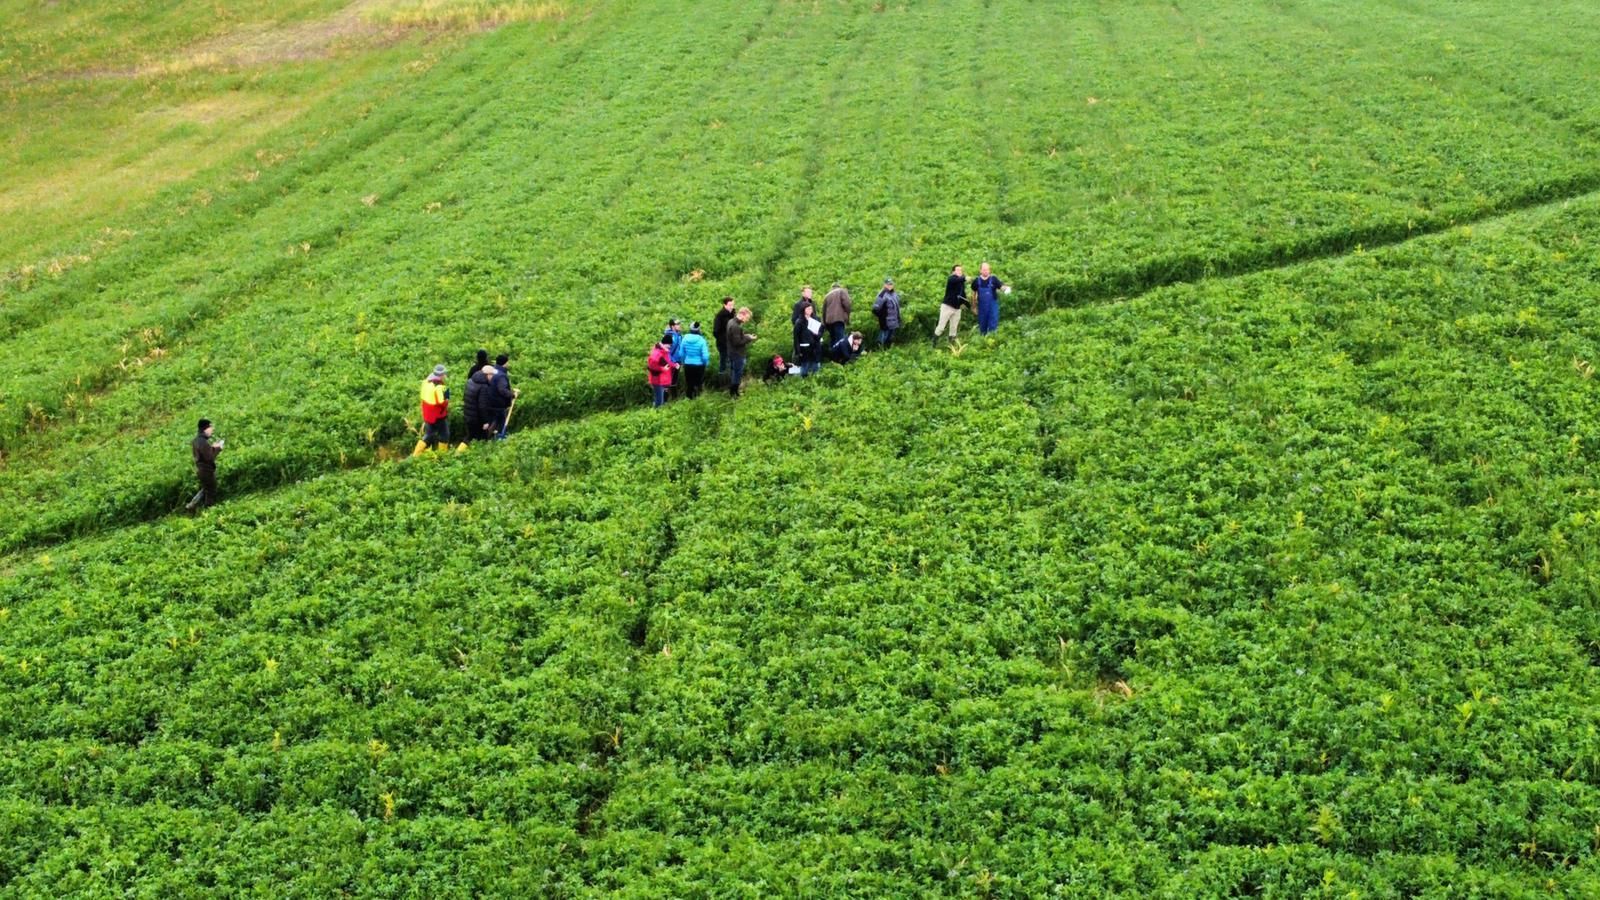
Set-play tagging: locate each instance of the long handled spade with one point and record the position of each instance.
(509, 410)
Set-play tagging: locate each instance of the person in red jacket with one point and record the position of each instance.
(658, 369)
(435, 410)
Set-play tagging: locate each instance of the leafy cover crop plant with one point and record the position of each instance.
(1256, 554)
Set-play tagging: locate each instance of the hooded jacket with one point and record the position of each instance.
(475, 403)
(887, 308)
(695, 351)
(658, 367)
(497, 399)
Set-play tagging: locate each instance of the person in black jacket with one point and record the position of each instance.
(846, 349)
(797, 313)
(476, 403)
(205, 452)
(500, 397)
(808, 340)
(955, 297)
(719, 332)
(469, 404)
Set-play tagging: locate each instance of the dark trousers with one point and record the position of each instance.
(208, 491)
(836, 333)
(722, 355)
(436, 433)
(694, 378)
(735, 374)
(886, 336)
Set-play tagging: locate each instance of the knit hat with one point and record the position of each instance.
(204, 424)
(694, 327)
(439, 370)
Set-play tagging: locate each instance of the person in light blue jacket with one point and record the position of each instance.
(694, 354)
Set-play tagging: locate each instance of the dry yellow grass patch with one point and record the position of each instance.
(120, 169)
(467, 14)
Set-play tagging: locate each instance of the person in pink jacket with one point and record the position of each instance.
(658, 369)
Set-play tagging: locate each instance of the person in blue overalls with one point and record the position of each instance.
(988, 288)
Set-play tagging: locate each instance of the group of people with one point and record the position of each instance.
(489, 399)
(680, 360)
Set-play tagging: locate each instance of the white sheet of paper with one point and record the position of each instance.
(815, 325)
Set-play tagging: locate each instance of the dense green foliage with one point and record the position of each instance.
(1257, 554)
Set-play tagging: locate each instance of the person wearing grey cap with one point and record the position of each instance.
(435, 411)
(887, 309)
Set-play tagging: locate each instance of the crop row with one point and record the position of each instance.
(825, 830)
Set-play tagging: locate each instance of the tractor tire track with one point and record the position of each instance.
(638, 633)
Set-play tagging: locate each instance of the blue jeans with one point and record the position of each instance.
(836, 333)
(988, 316)
(660, 392)
(886, 337)
(735, 373)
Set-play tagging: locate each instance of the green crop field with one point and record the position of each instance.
(1258, 553)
